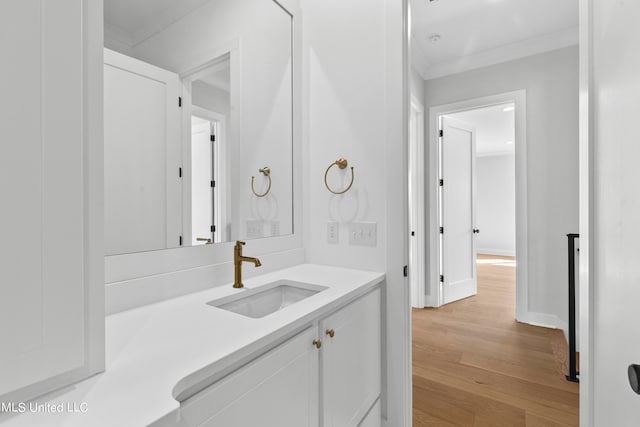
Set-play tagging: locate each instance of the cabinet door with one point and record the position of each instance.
(42, 300)
(351, 361)
(278, 389)
(374, 417)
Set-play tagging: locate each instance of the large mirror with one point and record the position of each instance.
(198, 122)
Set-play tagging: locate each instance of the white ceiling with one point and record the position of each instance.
(476, 33)
(494, 128)
(133, 21)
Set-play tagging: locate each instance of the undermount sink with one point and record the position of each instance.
(267, 299)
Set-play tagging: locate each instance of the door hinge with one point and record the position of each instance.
(213, 138)
(213, 184)
(179, 101)
(180, 240)
(413, 233)
(213, 228)
(442, 278)
(179, 172)
(405, 271)
(441, 133)
(441, 182)
(441, 230)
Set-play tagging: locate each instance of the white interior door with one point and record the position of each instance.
(142, 156)
(610, 207)
(458, 211)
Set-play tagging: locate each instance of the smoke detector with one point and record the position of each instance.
(434, 38)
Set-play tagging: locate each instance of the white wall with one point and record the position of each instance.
(211, 98)
(357, 89)
(496, 204)
(612, 228)
(551, 84)
(416, 85)
(346, 121)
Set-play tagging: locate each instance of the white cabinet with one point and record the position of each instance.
(312, 380)
(50, 260)
(374, 417)
(277, 389)
(351, 361)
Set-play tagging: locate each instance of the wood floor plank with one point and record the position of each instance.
(474, 365)
(425, 419)
(533, 420)
(465, 408)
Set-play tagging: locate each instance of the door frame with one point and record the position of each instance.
(220, 174)
(417, 274)
(208, 63)
(586, 141)
(435, 296)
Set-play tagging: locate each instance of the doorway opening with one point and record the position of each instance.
(455, 229)
(207, 140)
(207, 110)
(476, 191)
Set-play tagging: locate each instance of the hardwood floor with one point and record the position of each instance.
(474, 365)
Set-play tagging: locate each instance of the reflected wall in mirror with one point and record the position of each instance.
(198, 99)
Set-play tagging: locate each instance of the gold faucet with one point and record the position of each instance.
(238, 259)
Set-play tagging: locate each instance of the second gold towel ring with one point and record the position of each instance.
(341, 164)
(266, 171)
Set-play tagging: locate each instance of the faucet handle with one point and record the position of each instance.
(238, 243)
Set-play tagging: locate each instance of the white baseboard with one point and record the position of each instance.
(129, 294)
(546, 320)
(498, 252)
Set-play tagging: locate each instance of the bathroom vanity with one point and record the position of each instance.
(327, 374)
(186, 362)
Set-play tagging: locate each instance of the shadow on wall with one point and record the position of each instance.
(350, 206)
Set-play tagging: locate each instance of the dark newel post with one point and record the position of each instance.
(573, 373)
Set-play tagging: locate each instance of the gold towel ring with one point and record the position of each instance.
(266, 171)
(341, 163)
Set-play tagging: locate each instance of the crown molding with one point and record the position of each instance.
(509, 52)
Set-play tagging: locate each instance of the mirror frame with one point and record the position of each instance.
(166, 273)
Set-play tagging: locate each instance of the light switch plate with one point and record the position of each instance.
(363, 234)
(333, 231)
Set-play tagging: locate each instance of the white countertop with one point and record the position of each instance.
(156, 352)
